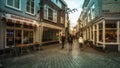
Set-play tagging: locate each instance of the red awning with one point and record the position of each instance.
(21, 20)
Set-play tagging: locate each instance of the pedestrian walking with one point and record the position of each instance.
(80, 41)
(70, 41)
(63, 40)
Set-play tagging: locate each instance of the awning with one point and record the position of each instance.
(21, 20)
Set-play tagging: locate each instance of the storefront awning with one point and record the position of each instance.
(21, 20)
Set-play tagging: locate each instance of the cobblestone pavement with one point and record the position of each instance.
(53, 56)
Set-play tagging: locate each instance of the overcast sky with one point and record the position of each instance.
(74, 16)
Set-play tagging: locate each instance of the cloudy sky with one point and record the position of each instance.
(74, 16)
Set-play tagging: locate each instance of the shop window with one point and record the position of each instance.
(28, 26)
(100, 32)
(110, 25)
(110, 36)
(28, 37)
(31, 37)
(10, 38)
(111, 31)
(101, 35)
(31, 27)
(49, 35)
(91, 33)
(18, 36)
(9, 24)
(18, 25)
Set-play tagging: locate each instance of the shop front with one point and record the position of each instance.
(106, 34)
(109, 34)
(19, 30)
(50, 33)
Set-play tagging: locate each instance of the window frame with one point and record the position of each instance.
(13, 7)
(46, 14)
(30, 12)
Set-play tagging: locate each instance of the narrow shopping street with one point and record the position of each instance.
(52, 56)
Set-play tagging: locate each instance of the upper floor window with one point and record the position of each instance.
(30, 6)
(50, 14)
(14, 3)
(61, 19)
(93, 12)
(57, 3)
(89, 16)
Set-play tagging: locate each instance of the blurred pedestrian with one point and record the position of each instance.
(70, 41)
(80, 41)
(63, 40)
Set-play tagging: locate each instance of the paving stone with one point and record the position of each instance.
(53, 56)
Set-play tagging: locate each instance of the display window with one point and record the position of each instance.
(18, 34)
(111, 35)
(110, 31)
(49, 34)
(9, 24)
(18, 37)
(100, 32)
(10, 37)
(27, 37)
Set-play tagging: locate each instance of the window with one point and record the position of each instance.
(50, 14)
(61, 20)
(18, 36)
(9, 24)
(27, 37)
(110, 31)
(100, 32)
(10, 37)
(93, 12)
(49, 35)
(14, 3)
(30, 6)
(55, 16)
(89, 16)
(45, 12)
(57, 3)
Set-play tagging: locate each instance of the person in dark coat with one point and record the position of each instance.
(63, 40)
(70, 41)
